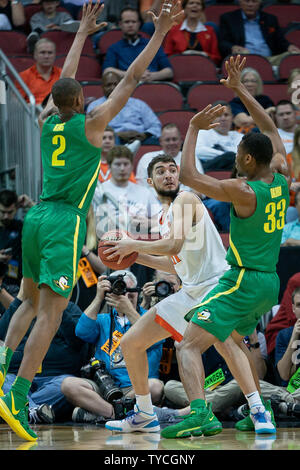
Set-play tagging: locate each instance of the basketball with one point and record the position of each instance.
(115, 235)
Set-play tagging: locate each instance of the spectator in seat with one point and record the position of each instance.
(254, 84)
(286, 121)
(135, 122)
(95, 328)
(120, 55)
(291, 230)
(294, 90)
(192, 36)
(41, 76)
(293, 160)
(12, 15)
(48, 19)
(249, 30)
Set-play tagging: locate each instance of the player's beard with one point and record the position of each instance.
(172, 193)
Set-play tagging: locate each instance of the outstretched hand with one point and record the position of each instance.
(206, 118)
(171, 14)
(234, 67)
(90, 13)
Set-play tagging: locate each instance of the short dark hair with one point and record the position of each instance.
(184, 4)
(8, 197)
(129, 8)
(119, 151)
(64, 91)
(259, 146)
(162, 157)
(283, 103)
(295, 292)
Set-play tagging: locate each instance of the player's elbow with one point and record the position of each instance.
(175, 246)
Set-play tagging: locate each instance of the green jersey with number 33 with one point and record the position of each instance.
(255, 241)
(70, 163)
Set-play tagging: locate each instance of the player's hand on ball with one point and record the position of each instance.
(120, 248)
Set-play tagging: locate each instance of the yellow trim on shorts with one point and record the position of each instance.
(236, 253)
(226, 292)
(89, 185)
(75, 243)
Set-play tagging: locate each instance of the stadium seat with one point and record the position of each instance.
(276, 91)
(294, 37)
(193, 68)
(225, 239)
(180, 117)
(219, 174)
(141, 151)
(91, 91)
(13, 43)
(202, 94)
(89, 68)
(257, 62)
(286, 14)
(21, 63)
(64, 41)
(213, 12)
(287, 64)
(160, 96)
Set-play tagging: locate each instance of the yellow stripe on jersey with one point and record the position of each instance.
(95, 175)
(236, 253)
(226, 292)
(75, 243)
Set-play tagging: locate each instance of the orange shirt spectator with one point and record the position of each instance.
(38, 85)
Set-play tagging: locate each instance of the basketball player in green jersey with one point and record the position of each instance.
(54, 230)
(259, 199)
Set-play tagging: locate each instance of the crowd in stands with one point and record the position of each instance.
(96, 318)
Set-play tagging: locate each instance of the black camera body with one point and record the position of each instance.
(118, 285)
(163, 289)
(95, 370)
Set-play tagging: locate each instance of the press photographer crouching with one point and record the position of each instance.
(163, 285)
(104, 391)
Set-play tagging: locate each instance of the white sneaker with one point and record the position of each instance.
(262, 421)
(135, 420)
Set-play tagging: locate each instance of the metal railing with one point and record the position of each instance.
(20, 160)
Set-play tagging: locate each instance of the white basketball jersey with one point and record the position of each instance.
(202, 256)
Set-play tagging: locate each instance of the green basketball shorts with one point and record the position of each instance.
(241, 297)
(52, 240)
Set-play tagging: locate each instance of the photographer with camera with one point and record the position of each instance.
(105, 390)
(163, 284)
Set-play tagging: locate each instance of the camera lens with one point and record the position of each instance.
(163, 289)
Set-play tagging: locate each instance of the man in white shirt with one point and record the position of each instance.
(121, 204)
(286, 121)
(171, 143)
(216, 148)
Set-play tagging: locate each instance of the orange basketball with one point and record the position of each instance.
(115, 235)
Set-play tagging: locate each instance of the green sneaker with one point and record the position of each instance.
(199, 421)
(246, 424)
(16, 419)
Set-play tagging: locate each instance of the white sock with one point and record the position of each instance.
(254, 401)
(144, 403)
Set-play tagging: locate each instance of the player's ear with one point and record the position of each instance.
(149, 181)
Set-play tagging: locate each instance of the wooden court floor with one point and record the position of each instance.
(91, 437)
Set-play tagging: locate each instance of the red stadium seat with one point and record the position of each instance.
(64, 41)
(89, 68)
(13, 43)
(160, 96)
(257, 62)
(180, 117)
(21, 63)
(294, 37)
(276, 91)
(287, 64)
(91, 91)
(286, 14)
(225, 239)
(141, 151)
(200, 95)
(193, 68)
(213, 12)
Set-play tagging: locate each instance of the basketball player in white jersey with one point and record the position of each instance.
(190, 247)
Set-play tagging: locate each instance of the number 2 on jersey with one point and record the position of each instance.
(276, 216)
(61, 141)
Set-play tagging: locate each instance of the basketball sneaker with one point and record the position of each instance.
(262, 421)
(199, 421)
(135, 420)
(247, 424)
(16, 419)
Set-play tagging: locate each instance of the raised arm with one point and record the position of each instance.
(87, 26)
(171, 12)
